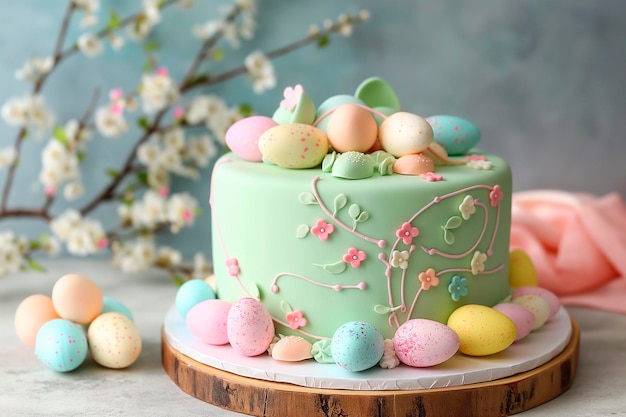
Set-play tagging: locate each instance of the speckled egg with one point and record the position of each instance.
(523, 319)
(405, 133)
(191, 293)
(455, 134)
(242, 137)
(522, 272)
(351, 128)
(482, 330)
(31, 314)
(422, 343)
(77, 298)
(549, 296)
(294, 145)
(537, 305)
(249, 327)
(114, 341)
(61, 345)
(207, 321)
(415, 164)
(112, 305)
(292, 349)
(353, 166)
(357, 346)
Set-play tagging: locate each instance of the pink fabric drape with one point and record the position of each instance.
(577, 243)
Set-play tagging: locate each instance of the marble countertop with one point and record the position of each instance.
(29, 388)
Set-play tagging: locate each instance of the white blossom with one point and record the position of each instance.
(261, 72)
(66, 222)
(203, 107)
(51, 246)
(87, 6)
(219, 125)
(151, 11)
(110, 124)
(7, 157)
(73, 190)
(90, 45)
(174, 138)
(158, 178)
(134, 256)
(10, 254)
(28, 111)
(248, 26)
(116, 41)
(15, 112)
(181, 210)
(168, 256)
(76, 135)
(82, 236)
(34, 68)
(200, 150)
(149, 211)
(207, 29)
(148, 153)
(157, 92)
(201, 267)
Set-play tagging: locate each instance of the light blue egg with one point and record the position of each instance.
(357, 346)
(61, 345)
(112, 305)
(191, 293)
(455, 134)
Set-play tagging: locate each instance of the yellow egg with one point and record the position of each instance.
(522, 271)
(294, 145)
(114, 341)
(482, 330)
(351, 128)
(536, 305)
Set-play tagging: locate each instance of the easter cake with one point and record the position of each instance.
(358, 234)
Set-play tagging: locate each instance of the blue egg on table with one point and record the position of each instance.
(357, 346)
(455, 134)
(112, 305)
(191, 293)
(61, 345)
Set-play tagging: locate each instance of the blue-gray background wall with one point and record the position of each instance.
(544, 80)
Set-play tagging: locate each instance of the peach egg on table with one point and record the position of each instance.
(77, 298)
(32, 313)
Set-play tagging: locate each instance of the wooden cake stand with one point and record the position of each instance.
(501, 397)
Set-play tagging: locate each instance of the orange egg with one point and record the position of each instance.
(32, 313)
(351, 128)
(415, 164)
(77, 298)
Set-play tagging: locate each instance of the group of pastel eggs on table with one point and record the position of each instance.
(351, 136)
(77, 319)
(473, 330)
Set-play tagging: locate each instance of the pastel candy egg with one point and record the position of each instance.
(415, 164)
(242, 137)
(32, 313)
(537, 305)
(249, 327)
(61, 345)
(294, 145)
(191, 293)
(322, 115)
(112, 305)
(300, 110)
(522, 271)
(482, 330)
(455, 134)
(549, 296)
(353, 166)
(114, 341)
(351, 128)
(357, 346)
(523, 318)
(77, 298)
(422, 343)
(292, 349)
(376, 92)
(405, 133)
(207, 321)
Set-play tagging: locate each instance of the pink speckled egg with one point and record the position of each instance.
(422, 343)
(523, 318)
(405, 133)
(207, 321)
(351, 128)
(549, 296)
(114, 341)
(249, 327)
(294, 145)
(242, 137)
(537, 305)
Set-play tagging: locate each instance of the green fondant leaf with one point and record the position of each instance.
(254, 292)
(340, 202)
(285, 307)
(454, 222)
(354, 211)
(362, 217)
(448, 236)
(302, 231)
(321, 351)
(381, 309)
(307, 198)
(328, 162)
(336, 268)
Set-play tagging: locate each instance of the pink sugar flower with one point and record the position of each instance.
(354, 257)
(495, 196)
(233, 267)
(476, 157)
(428, 279)
(296, 319)
(407, 232)
(292, 96)
(431, 176)
(322, 229)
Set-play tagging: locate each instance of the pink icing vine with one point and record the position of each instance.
(336, 287)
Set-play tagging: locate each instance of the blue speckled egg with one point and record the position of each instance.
(456, 135)
(112, 305)
(191, 293)
(61, 345)
(357, 346)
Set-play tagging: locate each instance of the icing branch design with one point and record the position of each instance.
(336, 287)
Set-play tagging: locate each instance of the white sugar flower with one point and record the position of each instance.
(479, 164)
(260, 71)
(181, 210)
(90, 45)
(34, 68)
(15, 112)
(200, 150)
(400, 259)
(157, 91)
(478, 262)
(467, 207)
(7, 157)
(174, 138)
(110, 124)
